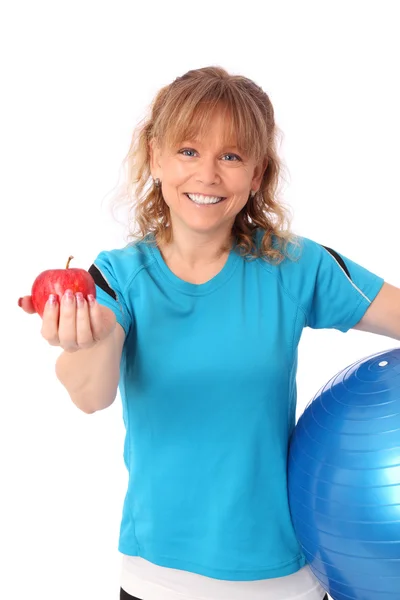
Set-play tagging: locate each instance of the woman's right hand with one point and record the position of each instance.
(75, 323)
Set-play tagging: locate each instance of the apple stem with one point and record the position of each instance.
(69, 260)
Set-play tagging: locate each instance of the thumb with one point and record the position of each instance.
(26, 304)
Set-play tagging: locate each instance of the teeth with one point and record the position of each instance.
(199, 199)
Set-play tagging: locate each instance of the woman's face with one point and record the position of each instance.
(205, 184)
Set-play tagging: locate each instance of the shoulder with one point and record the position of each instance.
(124, 264)
(297, 250)
(305, 262)
(303, 251)
(307, 258)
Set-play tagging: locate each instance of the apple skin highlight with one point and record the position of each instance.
(57, 281)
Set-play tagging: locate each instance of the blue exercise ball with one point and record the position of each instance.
(344, 480)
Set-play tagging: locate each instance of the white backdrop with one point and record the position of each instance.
(76, 77)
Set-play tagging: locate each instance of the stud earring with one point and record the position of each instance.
(157, 183)
(253, 193)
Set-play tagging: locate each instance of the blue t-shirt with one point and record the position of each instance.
(208, 388)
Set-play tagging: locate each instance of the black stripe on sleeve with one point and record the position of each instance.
(339, 259)
(101, 281)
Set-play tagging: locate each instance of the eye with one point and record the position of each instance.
(236, 157)
(186, 150)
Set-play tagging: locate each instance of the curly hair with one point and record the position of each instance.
(182, 110)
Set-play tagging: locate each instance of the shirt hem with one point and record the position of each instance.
(280, 570)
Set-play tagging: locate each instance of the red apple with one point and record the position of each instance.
(57, 281)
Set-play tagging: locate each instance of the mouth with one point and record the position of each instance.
(202, 200)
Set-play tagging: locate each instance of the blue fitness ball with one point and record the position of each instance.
(344, 481)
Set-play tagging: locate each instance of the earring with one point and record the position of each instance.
(157, 183)
(253, 193)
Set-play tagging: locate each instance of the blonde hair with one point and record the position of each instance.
(182, 110)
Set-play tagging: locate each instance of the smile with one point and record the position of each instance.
(204, 200)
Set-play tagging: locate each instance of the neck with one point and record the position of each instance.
(197, 250)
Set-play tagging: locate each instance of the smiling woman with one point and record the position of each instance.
(209, 135)
(209, 302)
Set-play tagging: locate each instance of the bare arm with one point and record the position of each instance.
(91, 376)
(383, 316)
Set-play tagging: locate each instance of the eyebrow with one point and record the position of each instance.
(197, 141)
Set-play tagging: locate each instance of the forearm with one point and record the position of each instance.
(90, 376)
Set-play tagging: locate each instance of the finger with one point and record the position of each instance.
(26, 304)
(102, 320)
(50, 320)
(84, 335)
(67, 324)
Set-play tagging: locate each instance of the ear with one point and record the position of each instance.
(155, 155)
(259, 174)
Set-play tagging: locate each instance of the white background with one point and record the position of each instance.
(76, 77)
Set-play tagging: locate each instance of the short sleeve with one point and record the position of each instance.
(333, 291)
(109, 287)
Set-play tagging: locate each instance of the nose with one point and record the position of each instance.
(207, 171)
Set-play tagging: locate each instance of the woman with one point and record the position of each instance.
(198, 321)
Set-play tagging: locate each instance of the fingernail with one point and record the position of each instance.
(90, 298)
(68, 296)
(20, 302)
(79, 298)
(52, 299)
